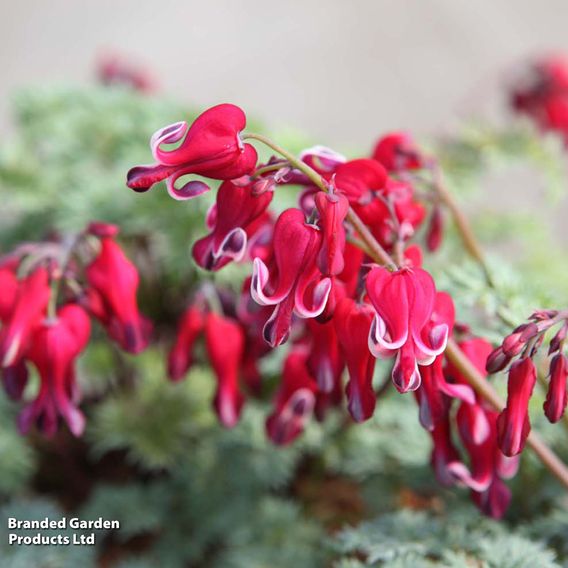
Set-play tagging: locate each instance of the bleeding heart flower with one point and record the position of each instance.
(235, 210)
(513, 423)
(112, 298)
(325, 361)
(556, 399)
(435, 232)
(332, 208)
(293, 283)
(53, 350)
(359, 179)
(294, 401)
(352, 323)
(190, 328)
(397, 152)
(404, 302)
(28, 309)
(224, 341)
(210, 147)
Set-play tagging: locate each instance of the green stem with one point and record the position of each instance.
(378, 253)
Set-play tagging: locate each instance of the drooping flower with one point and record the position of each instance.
(435, 231)
(489, 467)
(294, 401)
(359, 179)
(404, 301)
(435, 391)
(352, 323)
(325, 361)
(398, 152)
(28, 309)
(332, 208)
(224, 341)
(556, 398)
(231, 220)
(292, 282)
(473, 413)
(54, 348)
(513, 423)
(543, 94)
(210, 147)
(113, 282)
(180, 357)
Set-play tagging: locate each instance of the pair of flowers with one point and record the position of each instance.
(50, 332)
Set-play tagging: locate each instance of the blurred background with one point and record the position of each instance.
(340, 71)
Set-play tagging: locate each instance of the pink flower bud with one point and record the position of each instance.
(556, 398)
(435, 232)
(513, 423)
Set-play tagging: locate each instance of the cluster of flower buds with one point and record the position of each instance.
(49, 291)
(517, 353)
(542, 94)
(315, 284)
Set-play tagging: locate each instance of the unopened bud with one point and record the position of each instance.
(435, 232)
(497, 361)
(556, 398)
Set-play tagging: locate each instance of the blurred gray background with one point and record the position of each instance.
(342, 71)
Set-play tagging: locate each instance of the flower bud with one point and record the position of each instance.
(497, 361)
(556, 398)
(435, 230)
(513, 424)
(514, 343)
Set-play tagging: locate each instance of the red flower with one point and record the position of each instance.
(352, 323)
(446, 461)
(295, 400)
(54, 348)
(180, 357)
(435, 232)
(112, 298)
(404, 301)
(231, 220)
(513, 423)
(293, 283)
(359, 179)
(556, 399)
(29, 306)
(397, 152)
(476, 350)
(488, 465)
(332, 208)
(435, 392)
(224, 340)
(325, 361)
(210, 147)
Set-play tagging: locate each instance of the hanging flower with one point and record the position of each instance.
(293, 283)
(404, 301)
(210, 147)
